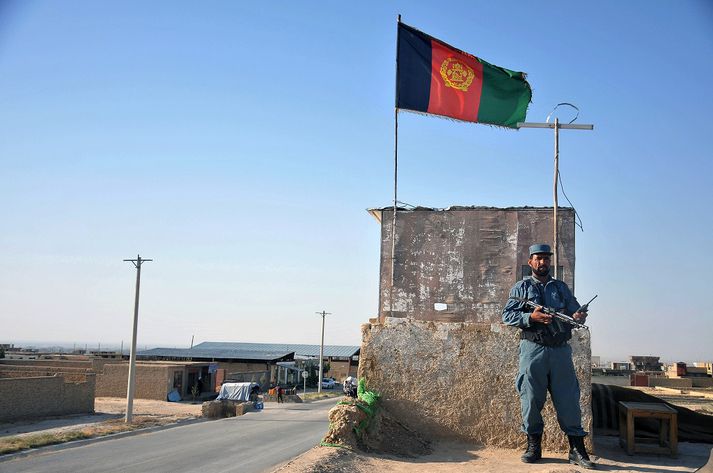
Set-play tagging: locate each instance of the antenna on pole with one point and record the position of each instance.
(132, 359)
(556, 126)
(321, 351)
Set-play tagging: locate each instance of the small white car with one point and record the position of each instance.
(328, 383)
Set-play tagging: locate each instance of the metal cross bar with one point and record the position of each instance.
(568, 126)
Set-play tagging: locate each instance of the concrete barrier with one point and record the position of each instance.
(448, 380)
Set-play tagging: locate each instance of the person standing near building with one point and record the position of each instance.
(546, 357)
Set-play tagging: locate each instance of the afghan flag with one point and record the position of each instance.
(436, 78)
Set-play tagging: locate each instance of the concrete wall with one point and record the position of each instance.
(25, 398)
(467, 258)
(452, 373)
(671, 382)
(702, 382)
(458, 379)
(152, 381)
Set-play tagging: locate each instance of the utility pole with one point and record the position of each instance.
(321, 351)
(556, 126)
(132, 359)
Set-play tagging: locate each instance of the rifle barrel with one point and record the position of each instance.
(548, 310)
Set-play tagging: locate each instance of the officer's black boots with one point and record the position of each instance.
(578, 453)
(534, 448)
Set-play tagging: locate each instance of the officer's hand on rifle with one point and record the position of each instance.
(580, 317)
(538, 316)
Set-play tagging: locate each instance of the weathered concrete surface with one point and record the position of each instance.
(465, 257)
(458, 379)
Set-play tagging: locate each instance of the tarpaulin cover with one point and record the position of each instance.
(236, 391)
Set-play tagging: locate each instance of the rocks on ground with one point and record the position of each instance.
(351, 426)
(225, 408)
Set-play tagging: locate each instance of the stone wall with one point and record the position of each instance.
(26, 398)
(458, 379)
(152, 381)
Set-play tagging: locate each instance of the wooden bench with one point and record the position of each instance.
(668, 427)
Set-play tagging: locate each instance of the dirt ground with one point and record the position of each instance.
(105, 409)
(149, 407)
(454, 457)
(463, 457)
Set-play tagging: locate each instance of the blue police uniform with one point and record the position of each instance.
(545, 357)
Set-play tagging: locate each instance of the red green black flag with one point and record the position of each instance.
(436, 78)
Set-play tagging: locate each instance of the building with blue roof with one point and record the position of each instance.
(266, 363)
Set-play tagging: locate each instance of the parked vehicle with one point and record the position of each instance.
(328, 383)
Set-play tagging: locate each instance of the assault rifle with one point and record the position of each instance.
(557, 315)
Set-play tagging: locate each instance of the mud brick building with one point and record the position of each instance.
(155, 380)
(451, 372)
(40, 388)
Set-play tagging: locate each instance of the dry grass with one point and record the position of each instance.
(112, 426)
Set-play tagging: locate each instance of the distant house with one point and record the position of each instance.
(156, 379)
(646, 363)
(343, 359)
(261, 362)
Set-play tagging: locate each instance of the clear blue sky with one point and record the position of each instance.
(238, 144)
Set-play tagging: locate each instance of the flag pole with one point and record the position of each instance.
(554, 194)
(396, 181)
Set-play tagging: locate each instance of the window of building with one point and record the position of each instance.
(178, 381)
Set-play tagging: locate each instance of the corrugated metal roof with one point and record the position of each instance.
(304, 350)
(210, 353)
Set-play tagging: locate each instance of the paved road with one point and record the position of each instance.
(255, 442)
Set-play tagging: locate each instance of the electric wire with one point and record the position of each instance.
(576, 214)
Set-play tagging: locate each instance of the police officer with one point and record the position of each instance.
(546, 358)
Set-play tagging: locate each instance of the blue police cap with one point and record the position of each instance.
(540, 248)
